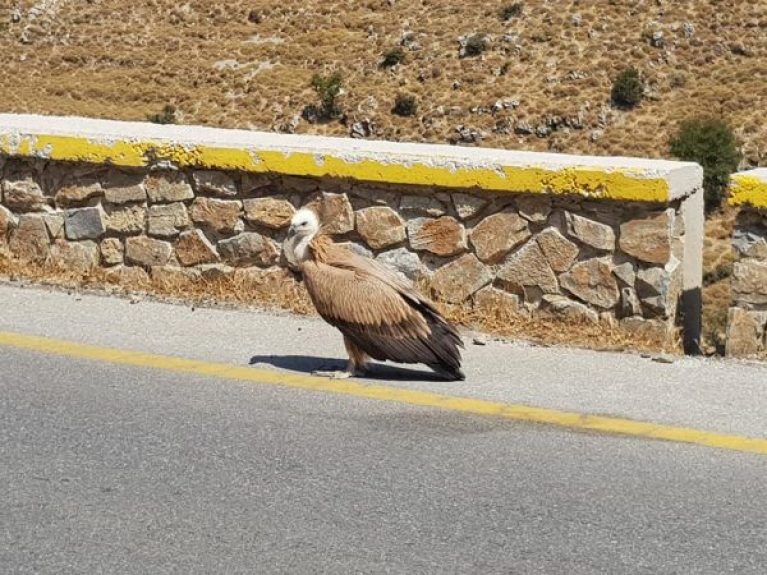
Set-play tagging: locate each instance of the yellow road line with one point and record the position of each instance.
(516, 412)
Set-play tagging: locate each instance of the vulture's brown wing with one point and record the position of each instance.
(380, 313)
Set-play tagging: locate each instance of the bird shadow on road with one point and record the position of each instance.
(376, 371)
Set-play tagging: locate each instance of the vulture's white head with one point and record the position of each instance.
(303, 227)
(304, 223)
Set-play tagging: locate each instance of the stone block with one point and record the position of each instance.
(592, 281)
(654, 287)
(129, 276)
(124, 187)
(222, 216)
(528, 268)
(175, 277)
(165, 220)
(168, 187)
(468, 206)
(562, 306)
(558, 250)
(535, 208)
(30, 240)
(271, 212)
(55, 224)
(253, 184)
(380, 227)
(80, 257)
(421, 206)
(193, 248)
(498, 234)
(379, 196)
(213, 182)
(745, 332)
(404, 261)
(147, 252)
(22, 193)
(750, 244)
(125, 219)
(443, 236)
(630, 304)
(590, 232)
(460, 279)
(335, 212)
(299, 184)
(648, 329)
(84, 223)
(266, 281)
(249, 248)
(112, 251)
(626, 273)
(8, 222)
(358, 249)
(496, 302)
(216, 272)
(648, 239)
(78, 193)
(749, 282)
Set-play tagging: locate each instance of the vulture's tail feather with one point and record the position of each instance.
(445, 343)
(448, 374)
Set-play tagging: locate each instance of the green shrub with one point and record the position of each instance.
(719, 273)
(511, 11)
(167, 116)
(393, 57)
(712, 143)
(628, 89)
(474, 46)
(677, 80)
(328, 89)
(405, 105)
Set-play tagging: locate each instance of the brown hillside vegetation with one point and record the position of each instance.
(249, 64)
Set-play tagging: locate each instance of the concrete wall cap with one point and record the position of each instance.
(138, 144)
(749, 188)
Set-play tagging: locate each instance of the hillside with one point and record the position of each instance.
(249, 64)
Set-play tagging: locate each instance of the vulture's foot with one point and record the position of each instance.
(333, 374)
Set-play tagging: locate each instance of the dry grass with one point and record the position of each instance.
(286, 294)
(248, 64)
(272, 293)
(602, 336)
(718, 257)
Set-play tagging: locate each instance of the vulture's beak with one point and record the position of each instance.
(291, 232)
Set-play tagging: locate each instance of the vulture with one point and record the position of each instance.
(379, 313)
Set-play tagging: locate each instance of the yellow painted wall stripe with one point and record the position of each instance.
(515, 412)
(625, 185)
(747, 190)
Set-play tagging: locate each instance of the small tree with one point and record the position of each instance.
(511, 11)
(405, 105)
(167, 116)
(393, 57)
(712, 143)
(328, 89)
(474, 46)
(628, 89)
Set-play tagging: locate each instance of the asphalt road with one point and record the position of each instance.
(110, 468)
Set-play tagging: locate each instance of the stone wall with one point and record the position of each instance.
(747, 317)
(579, 238)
